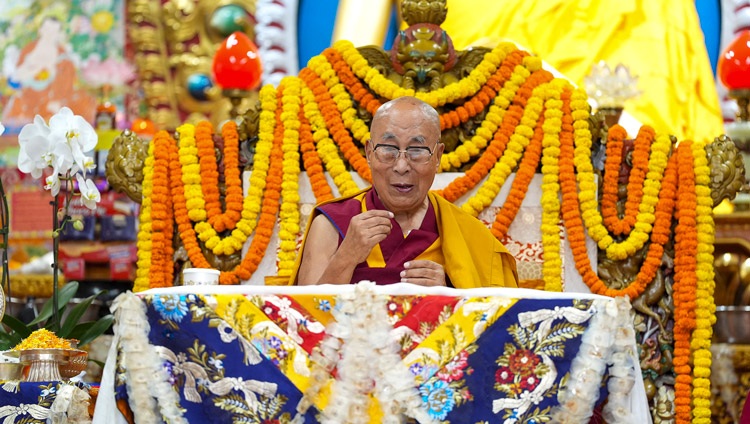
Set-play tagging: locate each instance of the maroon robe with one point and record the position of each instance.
(396, 248)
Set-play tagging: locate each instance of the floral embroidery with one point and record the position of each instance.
(171, 307)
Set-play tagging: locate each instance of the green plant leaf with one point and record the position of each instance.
(80, 329)
(64, 295)
(75, 315)
(9, 340)
(96, 330)
(18, 327)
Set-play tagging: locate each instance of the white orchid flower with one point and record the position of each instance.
(2, 128)
(52, 183)
(36, 149)
(89, 165)
(74, 135)
(89, 193)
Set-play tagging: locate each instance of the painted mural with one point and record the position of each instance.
(55, 54)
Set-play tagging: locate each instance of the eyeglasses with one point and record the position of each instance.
(388, 153)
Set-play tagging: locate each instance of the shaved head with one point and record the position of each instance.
(429, 112)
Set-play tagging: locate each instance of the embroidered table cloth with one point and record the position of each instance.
(254, 354)
(38, 402)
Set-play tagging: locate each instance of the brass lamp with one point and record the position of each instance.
(237, 69)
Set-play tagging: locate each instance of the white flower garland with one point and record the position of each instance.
(623, 366)
(369, 365)
(609, 338)
(70, 406)
(143, 365)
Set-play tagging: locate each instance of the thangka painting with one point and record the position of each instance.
(57, 54)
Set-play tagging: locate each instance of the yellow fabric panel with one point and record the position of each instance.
(245, 317)
(460, 330)
(660, 41)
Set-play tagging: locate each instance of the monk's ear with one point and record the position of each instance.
(439, 148)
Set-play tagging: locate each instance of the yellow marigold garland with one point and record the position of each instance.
(386, 88)
(191, 173)
(705, 307)
(552, 267)
(513, 153)
(290, 217)
(143, 242)
(588, 188)
(516, 75)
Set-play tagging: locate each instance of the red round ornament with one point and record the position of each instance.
(236, 63)
(734, 63)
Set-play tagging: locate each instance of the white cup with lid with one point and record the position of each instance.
(200, 277)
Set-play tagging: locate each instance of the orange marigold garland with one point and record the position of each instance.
(615, 136)
(461, 185)
(686, 251)
(571, 139)
(162, 271)
(637, 175)
(515, 148)
(311, 161)
(233, 180)
(209, 174)
(520, 185)
(335, 124)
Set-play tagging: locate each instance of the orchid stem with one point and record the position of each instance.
(55, 264)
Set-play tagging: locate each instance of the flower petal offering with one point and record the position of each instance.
(43, 339)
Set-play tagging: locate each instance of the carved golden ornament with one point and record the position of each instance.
(174, 43)
(423, 11)
(124, 166)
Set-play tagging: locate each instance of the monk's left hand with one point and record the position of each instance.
(423, 273)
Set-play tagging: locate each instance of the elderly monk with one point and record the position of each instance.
(396, 230)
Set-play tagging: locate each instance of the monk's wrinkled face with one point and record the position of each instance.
(402, 182)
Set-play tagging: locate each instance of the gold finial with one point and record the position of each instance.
(424, 11)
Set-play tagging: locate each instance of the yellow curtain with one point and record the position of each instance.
(661, 42)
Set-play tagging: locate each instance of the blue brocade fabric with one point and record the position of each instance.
(245, 358)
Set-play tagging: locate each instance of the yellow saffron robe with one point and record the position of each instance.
(471, 255)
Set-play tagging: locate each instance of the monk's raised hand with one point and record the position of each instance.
(365, 231)
(423, 273)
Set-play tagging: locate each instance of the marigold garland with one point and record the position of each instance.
(312, 162)
(232, 179)
(552, 267)
(705, 307)
(572, 138)
(636, 177)
(511, 75)
(290, 217)
(144, 238)
(592, 218)
(335, 124)
(514, 151)
(162, 269)
(329, 154)
(316, 113)
(461, 185)
(685, 284)
(209, 173)
(191, 174)
(520, 185)
(385, 88)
